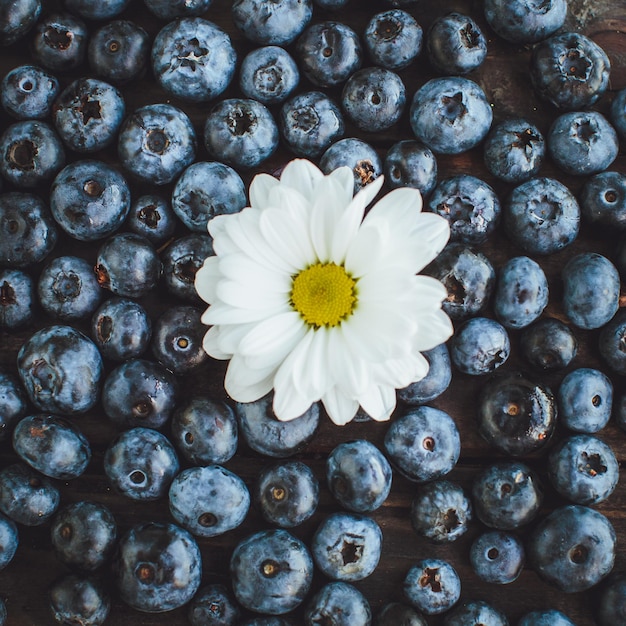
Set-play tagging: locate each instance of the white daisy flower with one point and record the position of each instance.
(313, 300)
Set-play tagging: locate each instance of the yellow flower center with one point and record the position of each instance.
(324, 294)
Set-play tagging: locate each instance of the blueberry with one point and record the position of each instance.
(450, 115)
(550, 617)
(506, 495)
(276, 23)
(287, 494)
(582, 143)
(121, 329)
(31, 154)
(13, 403)
(434, 383)
(541, 216)
(341, 603)
(208, 501)
(329, 53)
(204, 430)
(573, 548)
(521, 21)
(68, 289)
(268, 74)
(182, 258)
(455, 44)
(61, 370)
(432, 586)
(612, 342)
(497, 557)
(373, 98)
(128, 265)
(16, 19)
(475, 612)
(479, 346)
(89, 199)
(28, 91)
(17, 299)
(271, 572)
(141, 463)
(358, 476)
(9, 540)
(139, 392)
(423, 444)
(213, 605)
(440, 511)
(104, 10)
(514, 150)
(618, 113)
(515, 414)
(193, 59)
(393, 39)
(395, 613)
(157, 567)
(359, 156)
(410, 164)
(28, 232)
(309, 123)
(548, 344)
(569, 70)
(156, 143)
(612, 601)
(603, 199)
(152, 217)
(585, 400)
(169, 10)
(79, 600)
(205, 190)
(60, 42)
(83, 535)
(87, 114)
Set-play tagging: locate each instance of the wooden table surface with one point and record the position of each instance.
(504, 77)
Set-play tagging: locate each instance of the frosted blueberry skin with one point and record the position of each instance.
(52, 445)
(514, 150)
(193, 59)
(582, 143)
(26, 496)
(204, 430)
(410, 164)
(139, 393)
(346, 546)
(213, 605)
(475, 612)
(128, 265)
(18, 300)
(618, 113)
(548, 344)
(423, 444)
(156, 143)
(208, 501)
(79, 600)
(569, 70)
(27, 92)
(61, 370)
(169, 10)
(271, 23)
(103, 10)
(157, 567)
(241, 132)
(205, 190)
(271, 572)
(309, 123)
(583, 469)
(287, 494)
(573, 548)
(268, 74)
(497, 557)
(551, 617)
(440, 511)
(264, 434)
(603, 199)
(479, 346)
(13, 403)
(450, 115)
(340, 602)
(83, 535)
(434, 383)
(395, 613)
(181, 260)
(516, 415)
(611, 606)
(329, 53)
(152, 217)
(9, 540)
(358, 475)
(373, 98)
(520, 21)
(60, 42)
(16, 19)
(432, 586)
(506, 495)
(88, 114)
(31, 154)
(585, 400)
(141, 463)
(455, 44)
(611, 342)
(393, 39)
(358, 155)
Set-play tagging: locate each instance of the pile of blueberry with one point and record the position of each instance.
(125, 126)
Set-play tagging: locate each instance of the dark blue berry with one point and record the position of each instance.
(393, 39)
(550, 617)
(169, 10)
(103, 10)
(182, 258)
(16, 19)
(603, 199)
(151, 216)
(395, 613)
(612, 601)
(410, 164)
(548, 344)
(434, 383)
(479, 346)
(476, 612)
(17, 299)
(497, 557)
(359, 156)
(612, 342)
(521, 21)
(60, 42)
(432, 586)
(13, 404)
(79, 600)
(213, 605)
(9, 540)
(28, 91)
(340, 602)
(618, 113)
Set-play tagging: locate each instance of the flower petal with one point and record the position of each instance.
(379, 402)
(260, 189)
(221, 313)
(210, 344)
(246, 271)
(245, 384)
(301, 175)
(206, 279)
(340, 408)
